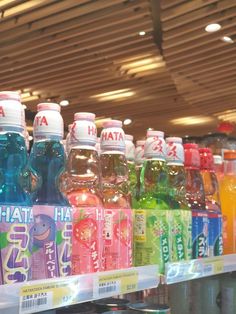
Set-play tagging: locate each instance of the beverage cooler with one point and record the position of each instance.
(117, 157)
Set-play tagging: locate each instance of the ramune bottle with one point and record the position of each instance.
(180, 213)
(151, 230)
(129, 154)
(81, 183)
(52, 228)
(139, 159)
(212, 199)
(15, 204)
(68, 140)
(195, 196)
(116, 197)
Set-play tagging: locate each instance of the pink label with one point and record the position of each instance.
(117, 236)
(87, 246)
(51, 241)
(15, 223)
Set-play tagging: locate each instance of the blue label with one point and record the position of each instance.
(200, 237)
(215, 234)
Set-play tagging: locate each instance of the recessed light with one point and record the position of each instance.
(31, 138)
(211, 28)
(64, 103)
(227, 39)
(142, 33)
(127, 121)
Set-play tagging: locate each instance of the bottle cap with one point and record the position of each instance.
(84, 130)
(11, 112)
(140, 143)
(229, 154)
(191, 156)
(129, 147)
(139, 152)
(48, 122)
(206, 159)
(84, 116)
(217, 159)
(113, 137)
(174, 151)
(155, 145)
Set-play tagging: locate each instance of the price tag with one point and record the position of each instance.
(213, 266)
(218, 266)
(112, 284)
(41, 297)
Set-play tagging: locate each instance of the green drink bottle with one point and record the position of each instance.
(139, 160)
(180, 215)
(151, 234)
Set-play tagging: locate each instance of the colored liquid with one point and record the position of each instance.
(195, 194)
(228, 205)
(117, 211)
(81, 183)
(133, 183)
(211, 188)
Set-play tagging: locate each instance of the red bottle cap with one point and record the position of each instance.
(191, 156)
(206, 159)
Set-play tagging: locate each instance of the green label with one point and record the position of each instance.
(180, 234)
(151, 238)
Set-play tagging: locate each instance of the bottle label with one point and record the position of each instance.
(215, 234)
(51, 241)
(151, 242)
(87, 244)
(200, 236)
(174, 153)
(15, 243)
(113, 139)
(118, 238)
(84, 132)
(48, 123)
(180, 234)
(155, 147)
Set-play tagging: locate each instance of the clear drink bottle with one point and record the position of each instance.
(15, 204)
(139, 160)
(129, 154)
(52, 228)
(81, 184)
(116, 197)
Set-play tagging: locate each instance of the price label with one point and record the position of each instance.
(213, 266)
(35, 298)
(218, 266)
(112, 284)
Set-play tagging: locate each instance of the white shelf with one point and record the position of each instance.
(60, 292)
(188, 270)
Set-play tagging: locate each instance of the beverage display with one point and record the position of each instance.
(139, 159)
(212, 200)
(52, 229)
(180, 215)
(151, 225)
(218, 167)
(195, 196)
(116, 197)
(15, 204)
(129, 154)
(69, 140)
(81, 184)
(228, 202)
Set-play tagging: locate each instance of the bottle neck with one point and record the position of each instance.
(47, 137)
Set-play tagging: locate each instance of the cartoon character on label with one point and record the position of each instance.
(43, 231)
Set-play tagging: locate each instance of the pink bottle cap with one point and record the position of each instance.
(48, 106)
(155, 133)
(84, 116)
(191, 156)
(206, 159)
(140, 143)
(129, 137)
(112, 124)
(174, 140)
(10, 95)
(174, 151)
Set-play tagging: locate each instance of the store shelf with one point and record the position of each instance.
(40, 295)
(188, 270)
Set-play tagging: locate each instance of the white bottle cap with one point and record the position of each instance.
(112, 137)
(139, 152)
(48, 122)
(84, 130)
(155, 145)
(218, 160)
(11, 112)
(129, 147)
(174, 151)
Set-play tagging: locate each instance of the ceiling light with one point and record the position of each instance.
(64, 103)
(24, 106)
(31, 138)
(127, 121)
(142, 33)
(192, 120)
(211, 28)
(227, 39)
(114, 95)
(228, 115)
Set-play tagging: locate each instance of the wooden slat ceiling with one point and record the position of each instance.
(202, 65)
(78, 49)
